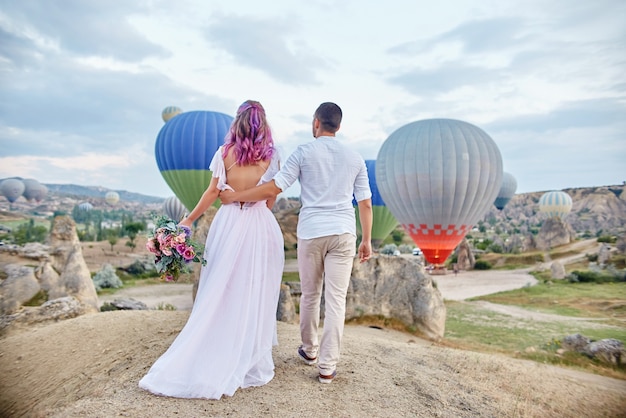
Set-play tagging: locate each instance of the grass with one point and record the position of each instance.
(471, 327)
(291, 276)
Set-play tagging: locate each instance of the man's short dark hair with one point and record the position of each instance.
(329, 115)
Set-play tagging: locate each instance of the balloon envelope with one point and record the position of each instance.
(169, 112)
(383, 220)
(85, 206)
(112, 198)
(184, 149)
(174, 208)
(12, 189)
(507, 190)
(556, 204)
(438, 177)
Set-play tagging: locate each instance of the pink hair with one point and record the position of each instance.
(249, 135)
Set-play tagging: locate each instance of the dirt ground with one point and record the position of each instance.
(90, 366)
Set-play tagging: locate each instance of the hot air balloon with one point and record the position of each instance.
(507, 190)
(169, 112)
(174, 208)
(556, 204)
(12, 189)
(112, 198)
(85, 206)
(33, 190)
(384, 222)
(184, 149)
(438, 177)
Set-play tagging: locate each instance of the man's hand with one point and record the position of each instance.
(365, 251)
(226, 196)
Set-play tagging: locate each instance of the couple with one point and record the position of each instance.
(227, 341)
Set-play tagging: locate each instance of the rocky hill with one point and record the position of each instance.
(595, 211)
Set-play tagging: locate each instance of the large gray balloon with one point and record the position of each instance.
(12, 189)
(438, 177)
(174, 208)
(507, 190)
(34, 190)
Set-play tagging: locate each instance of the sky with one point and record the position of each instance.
(83, 83)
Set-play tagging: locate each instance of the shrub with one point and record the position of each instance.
(389, 249)
(608, 239)
(482, 265)
(107, 278)
(604, 276)
(405, 249)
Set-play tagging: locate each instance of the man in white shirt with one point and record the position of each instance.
(330, 174)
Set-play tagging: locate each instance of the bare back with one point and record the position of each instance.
(243, 177)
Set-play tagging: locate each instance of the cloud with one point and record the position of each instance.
(263, 44)
(95, 27)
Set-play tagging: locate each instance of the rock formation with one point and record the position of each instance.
(557, 270)
(554, 232)
(465, 259)
(62, 275)
(396, 287)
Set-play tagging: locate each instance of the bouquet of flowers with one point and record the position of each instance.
(173, 248)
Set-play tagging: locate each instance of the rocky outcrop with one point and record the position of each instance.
(557, 270)
(66, 259)
(396, 287)
(61, 280)
(465, 257)
(19, 287)
(553, 233)
(199, 234)
(608, 350)
(51, 311)
(286, 311)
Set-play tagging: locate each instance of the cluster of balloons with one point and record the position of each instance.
(31, 189)
(436, 177)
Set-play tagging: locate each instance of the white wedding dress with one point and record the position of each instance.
(227, 341)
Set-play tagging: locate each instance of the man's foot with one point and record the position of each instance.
(308, 360)
(327, 378)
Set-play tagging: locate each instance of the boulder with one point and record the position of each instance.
(557, 270)
(609, 350)
(398, 288)
(128, 304)
(553, 233)
(199, 234)
(465, 259)
(18, 288)
(286, 311)
(66, 258)
(575, 342)
(52, 310)
(604, 254)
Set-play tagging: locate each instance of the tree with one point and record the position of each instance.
(132, 228)
(112, 237)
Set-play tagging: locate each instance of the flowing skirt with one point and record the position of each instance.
(227, 341)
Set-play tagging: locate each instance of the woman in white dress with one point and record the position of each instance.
(227, 341)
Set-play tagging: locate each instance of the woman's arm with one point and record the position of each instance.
(208, 198)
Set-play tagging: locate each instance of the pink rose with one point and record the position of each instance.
(151, 246)
(189, 254)
(181, 248)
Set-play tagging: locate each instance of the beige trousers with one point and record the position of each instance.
(324, 261)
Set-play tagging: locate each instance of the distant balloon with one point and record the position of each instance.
(184, 149)
(12, 189)
(169, 112)
(555, 204)
(174, 208)
(85, 206)
(438, 177)
(33, 190)
(384, 222)
(507, 190)
(112, 198)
